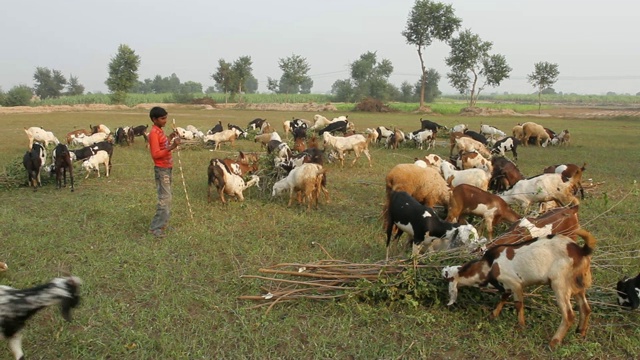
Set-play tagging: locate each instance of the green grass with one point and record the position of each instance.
(176, 298)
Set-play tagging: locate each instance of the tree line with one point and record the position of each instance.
(472, 69)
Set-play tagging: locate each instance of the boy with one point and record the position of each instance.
(160, 147)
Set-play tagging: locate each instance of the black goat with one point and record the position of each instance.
(61, 164)
(629, 292)
(17, 306)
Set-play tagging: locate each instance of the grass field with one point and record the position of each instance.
(176, 298)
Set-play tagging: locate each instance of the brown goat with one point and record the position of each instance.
(468, 199)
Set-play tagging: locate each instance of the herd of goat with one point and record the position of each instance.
(427, 199)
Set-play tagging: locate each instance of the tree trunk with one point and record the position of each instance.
(473, 98)
(539, 99)
(423, 79)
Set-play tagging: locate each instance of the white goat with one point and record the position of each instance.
(93, 163)
(17, 306)
(40, 135)
(304, 179)
(422, 136)
(90, 140)
(541, 188)
(223, 136)
(476, 177)
(227, 182)
(356, 143)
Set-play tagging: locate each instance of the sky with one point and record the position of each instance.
(596, 44)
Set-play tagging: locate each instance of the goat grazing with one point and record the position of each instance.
(306, 180)
(33, 161)
(40, 135)
(629, 292)
(468, 199)
(227, 182)
(424, 184)
(571, 173)
(17, 306)
(356, 143)
(93, 163)
(475, 177)
(541, 188)
(422, 222)
(555, 260)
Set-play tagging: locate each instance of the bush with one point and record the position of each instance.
(204, 101)
(118, 97)
(18, 96)
(372, 105)
(183, 97)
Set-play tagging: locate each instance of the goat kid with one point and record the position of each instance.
(628, 290)
(93, 163)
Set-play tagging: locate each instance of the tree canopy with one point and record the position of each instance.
(429, 21)
(544, 76)
(294, 77)
(123, 73)
(49, 84)
(369, 78)
(236, 77)
(74, 87)
(472, 67)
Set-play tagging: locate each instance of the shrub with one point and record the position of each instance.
(204, 101)
(370, 104)
(18, 96)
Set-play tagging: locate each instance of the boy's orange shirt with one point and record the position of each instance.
(158, 146)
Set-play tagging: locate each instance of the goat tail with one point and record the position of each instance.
(589, 241)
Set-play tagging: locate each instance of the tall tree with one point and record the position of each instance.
(294, 74)
(241, 71)
(407, 92)
(74, 87)
(272, 84)
(429, 21)
(544, 76)
(123, 73)
(472, 68)
(49, 84)
(223, 78)
(251, 85)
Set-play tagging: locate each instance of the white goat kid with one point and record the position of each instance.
(93, 163)
(476, 177)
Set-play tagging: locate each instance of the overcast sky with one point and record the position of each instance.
(596, 44)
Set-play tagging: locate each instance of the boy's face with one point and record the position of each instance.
(161, 121)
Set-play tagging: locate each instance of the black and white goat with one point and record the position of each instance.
(17, 306)
(629, 292)
(33, 161)
(422, 222)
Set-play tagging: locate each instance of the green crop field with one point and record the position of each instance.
(177, 297)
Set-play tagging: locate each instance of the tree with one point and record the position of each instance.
(18, 96)
(272, 84)
(429, 21)
(342, 90)
(294, 74)
(407, 92)
(241, 71)
(49, 84)
(251, 85)
(544, 75)
(370, 77)
(472, 68)
(74, 87)
(431, 90)
(192, 87)
(123, 73)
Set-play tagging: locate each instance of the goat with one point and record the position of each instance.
(474, 160)
(422, 222)
(40, 135)
(431, 125)
(90, 140)
(356, 143)
(628, 290)
(306, 180)
(33, 161)
(531, 129)
(223, 136)
(76, 133)
(504, 175)
(571, 173)
(507, 144)
(93, 163)
(476, 136)
(467, 144)
(255, 124)
(227, 182)
(216, 129)
(475, 177)
(491, 131)
(99, 128)
(562, 220)
(17, 306)
(394, 140)
(556, 260)
(421, 136)
(141, 130)
(541, 188)
(461, 128)
(468, 199)
(424, 184)
(62, 163)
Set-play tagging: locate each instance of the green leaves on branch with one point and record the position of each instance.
(123, 73)
(49, 84)
(472, 67)
(543, 77)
